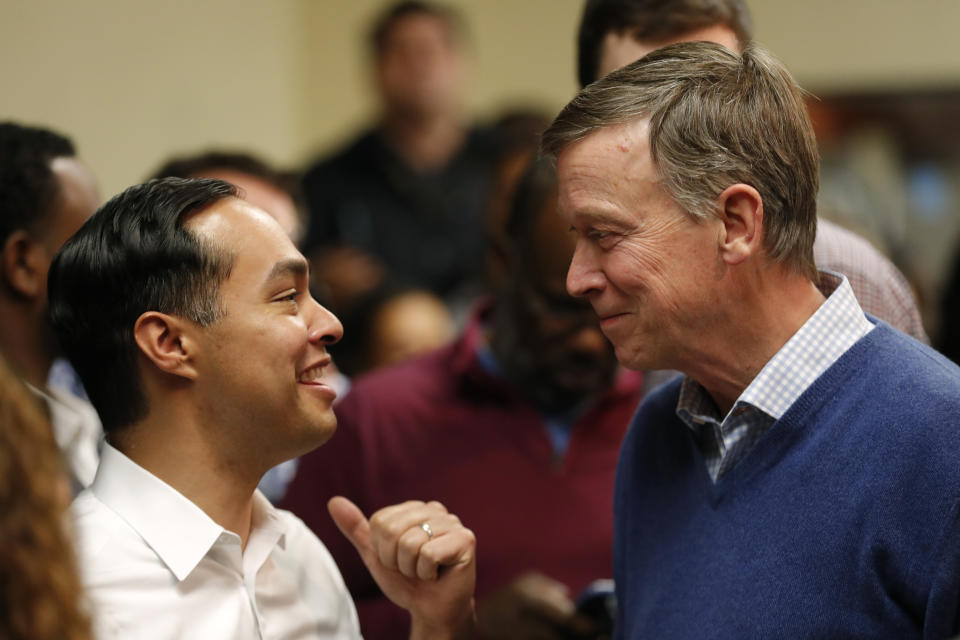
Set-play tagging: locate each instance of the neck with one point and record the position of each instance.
(25, 342)
(175, 448)
(424, 141)
(770, 309)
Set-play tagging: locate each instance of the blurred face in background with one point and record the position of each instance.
(621, 48)
(77, 200)
(263, 195)
(408, 325)
(559, 354)
(420, 68)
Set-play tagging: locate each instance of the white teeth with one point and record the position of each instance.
(312, 374)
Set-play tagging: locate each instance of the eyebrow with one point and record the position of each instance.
(291, 266)
(595, 218)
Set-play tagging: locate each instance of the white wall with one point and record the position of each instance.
(134, 81)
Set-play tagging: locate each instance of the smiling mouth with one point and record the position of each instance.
(312, 375)
(610, 318)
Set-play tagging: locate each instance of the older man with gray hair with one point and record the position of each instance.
(801, 479)
(614, 33)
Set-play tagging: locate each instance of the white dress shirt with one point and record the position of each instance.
(156, 566)
(77, 430)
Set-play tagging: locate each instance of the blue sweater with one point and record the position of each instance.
(842, 522)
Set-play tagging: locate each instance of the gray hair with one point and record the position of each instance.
(716, 119)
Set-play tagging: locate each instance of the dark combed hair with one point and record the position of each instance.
(28, 186)
(134, 255)
(380, 31)
(652, 20)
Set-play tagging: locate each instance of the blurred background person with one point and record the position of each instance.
(273, 190)
(519, 130)
(41, 593)
(405, 199)
(307, 86)
(614, 33)
(391, 324)
(516, 426)
(46, 194)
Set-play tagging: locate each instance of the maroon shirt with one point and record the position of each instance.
(441, 428)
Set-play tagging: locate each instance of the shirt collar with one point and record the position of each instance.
(836, 325)
(267, 530)
(71, 418)
(76, 430)
(177, 530)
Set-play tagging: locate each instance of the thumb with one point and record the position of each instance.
(352, 524)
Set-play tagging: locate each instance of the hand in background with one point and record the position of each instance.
(431, 576)
(532, 607)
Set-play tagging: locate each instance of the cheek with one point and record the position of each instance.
(638, 266)
(275, 342)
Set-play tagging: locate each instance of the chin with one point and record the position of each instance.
(316, 434)
(636, 361)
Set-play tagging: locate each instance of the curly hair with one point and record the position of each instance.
(39, 584)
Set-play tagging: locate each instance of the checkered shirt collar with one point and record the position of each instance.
(823, 338)
(834, 328)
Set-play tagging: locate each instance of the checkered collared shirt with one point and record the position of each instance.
(823, 338)
(880, 288)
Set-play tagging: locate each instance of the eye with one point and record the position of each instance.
(288, 296)
(603, 239)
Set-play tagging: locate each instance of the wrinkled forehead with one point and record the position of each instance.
(605, 164)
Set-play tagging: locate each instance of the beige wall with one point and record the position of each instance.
(843, 44)
(133, 81)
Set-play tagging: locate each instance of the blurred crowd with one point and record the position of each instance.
(465, 369)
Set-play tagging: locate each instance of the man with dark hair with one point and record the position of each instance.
(611, 29)
(405, 200)
(516, 427)
(46, 194)
(801, 479)
(187, 314)
(614, 33)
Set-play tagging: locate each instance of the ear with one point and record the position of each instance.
(741, 210)
(163, 340)
(22, 264)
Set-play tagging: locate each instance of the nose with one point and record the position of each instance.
(324, 326)
(584, 275)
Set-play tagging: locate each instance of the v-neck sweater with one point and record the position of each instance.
(843, 521)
